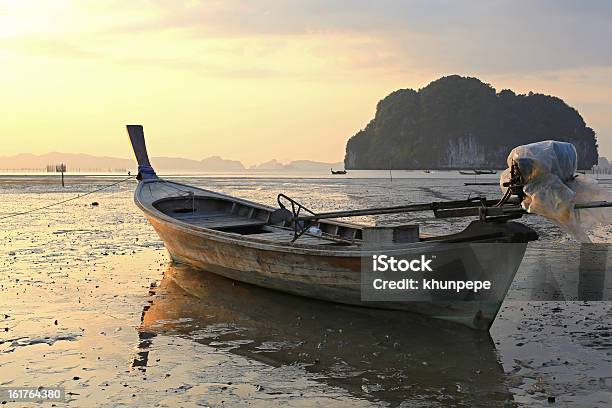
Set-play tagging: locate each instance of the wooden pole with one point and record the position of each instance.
(61, 168)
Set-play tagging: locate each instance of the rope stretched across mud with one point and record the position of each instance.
(67, 200)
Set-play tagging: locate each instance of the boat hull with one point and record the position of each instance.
(338, 277)
(242, 240)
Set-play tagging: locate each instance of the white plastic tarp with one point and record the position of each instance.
(553, 188)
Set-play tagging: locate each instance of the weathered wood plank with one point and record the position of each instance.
(222, 221)
(287, 236)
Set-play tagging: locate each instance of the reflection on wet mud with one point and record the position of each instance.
(593, 266)
(378, 355)
(580, 273)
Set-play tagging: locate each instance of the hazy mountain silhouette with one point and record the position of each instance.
(296, 165)
(269, 165)
(87, 162)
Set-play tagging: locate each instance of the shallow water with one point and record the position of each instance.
(89, 301)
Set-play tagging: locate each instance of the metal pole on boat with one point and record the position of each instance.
(283, 214)
(461, 208)
(507, 210)
(399, 209)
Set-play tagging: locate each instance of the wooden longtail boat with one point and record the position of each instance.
(337, 172)
(318, 257)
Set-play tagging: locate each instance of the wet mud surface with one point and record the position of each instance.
(90, 302)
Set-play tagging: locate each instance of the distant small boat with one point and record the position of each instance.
(337, 172)
(316, 256)
(476, 172)
(427, 171)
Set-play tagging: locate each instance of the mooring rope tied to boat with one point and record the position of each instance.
(68, 199)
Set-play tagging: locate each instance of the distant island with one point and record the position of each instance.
(459, 122)
(296, 165)
(87, 162)
(603, 166)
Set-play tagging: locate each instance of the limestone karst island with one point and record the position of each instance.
(459, 122)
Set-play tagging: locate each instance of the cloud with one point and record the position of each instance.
(387, 37)
(491, 36)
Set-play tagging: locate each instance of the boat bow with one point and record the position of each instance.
(145, 170)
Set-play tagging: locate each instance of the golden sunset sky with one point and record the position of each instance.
(256, 80)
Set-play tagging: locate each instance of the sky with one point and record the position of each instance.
(257, 80)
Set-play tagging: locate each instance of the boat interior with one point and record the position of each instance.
(253, 221)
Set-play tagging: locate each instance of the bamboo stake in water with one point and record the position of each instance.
(61, 168)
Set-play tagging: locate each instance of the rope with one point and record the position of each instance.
(69, 199)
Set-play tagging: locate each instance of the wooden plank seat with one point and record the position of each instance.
(284, 236)
(220, 221)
